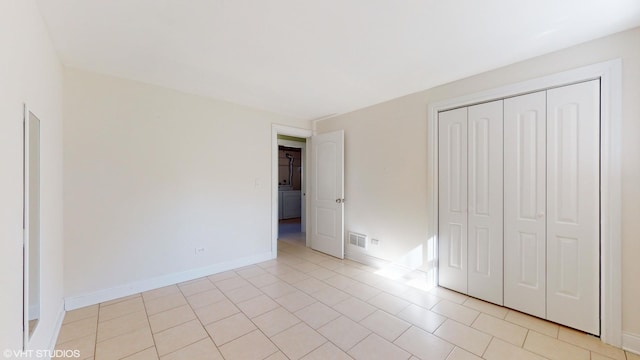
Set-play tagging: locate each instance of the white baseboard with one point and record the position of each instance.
(361, 257)
(96, 297)
(631, 342)
(393, 270)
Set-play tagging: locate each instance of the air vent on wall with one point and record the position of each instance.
(358, 240)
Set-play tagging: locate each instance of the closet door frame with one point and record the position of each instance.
(610, 75)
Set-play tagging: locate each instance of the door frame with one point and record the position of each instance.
(610, 75)
(277, 129)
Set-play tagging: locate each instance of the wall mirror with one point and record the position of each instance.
(31, 223)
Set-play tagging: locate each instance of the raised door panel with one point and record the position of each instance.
(525, 203)
(573, 232)
(485, 174)
(452, 192)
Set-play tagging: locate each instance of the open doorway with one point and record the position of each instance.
(291, 190)
(292, 227)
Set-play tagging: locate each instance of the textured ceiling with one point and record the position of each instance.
(310, 59)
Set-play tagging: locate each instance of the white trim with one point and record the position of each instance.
(25, 229)
(365, 259)
(609, 73)
(291, 131)
(631, 342)
(96, 297)
(611, 203)
(57, 327)
(277, 129)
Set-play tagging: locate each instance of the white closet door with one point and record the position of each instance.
(485, 201)
(573, 232)
(452, 192)
(524, 203)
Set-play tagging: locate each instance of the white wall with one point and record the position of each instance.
(387, 197)
(151, 174)
(29, 73)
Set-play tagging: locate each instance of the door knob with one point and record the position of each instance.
(339, 201)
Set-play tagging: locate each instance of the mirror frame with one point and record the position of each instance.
(27, 223)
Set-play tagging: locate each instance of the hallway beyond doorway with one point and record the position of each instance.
(290, 231)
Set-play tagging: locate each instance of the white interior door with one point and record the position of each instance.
(485, 201)
(573, 203)
(328, 193)
(525, 203)
(452, 199)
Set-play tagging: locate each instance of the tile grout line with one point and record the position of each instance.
(402, 333)
(200, 320)
(484, 352)
(153, 338)
(487, 346)
(95, 344)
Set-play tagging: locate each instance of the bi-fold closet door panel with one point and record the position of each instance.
(525, 203)
(573, 206)
(452, 203)
(470, 200)
(551, 207)
(485, 202)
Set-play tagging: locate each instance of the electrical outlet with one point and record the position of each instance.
(375, 242)
(199, 250)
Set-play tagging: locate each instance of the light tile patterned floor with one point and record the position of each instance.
(305, 305)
